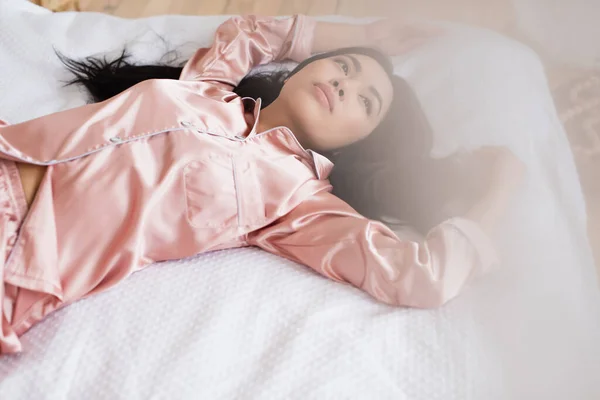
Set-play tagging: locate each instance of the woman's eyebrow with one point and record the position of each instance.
(358, 68)
(378, 96)
(355, 62)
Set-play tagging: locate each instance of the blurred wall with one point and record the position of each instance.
(567, 31)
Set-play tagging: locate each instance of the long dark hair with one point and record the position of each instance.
(381, 175)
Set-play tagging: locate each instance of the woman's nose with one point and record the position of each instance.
(340, 91)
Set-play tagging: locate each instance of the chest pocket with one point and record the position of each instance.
(222, 191)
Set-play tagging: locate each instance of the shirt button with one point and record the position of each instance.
(115, 139)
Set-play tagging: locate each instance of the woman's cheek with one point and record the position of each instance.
(355, 125)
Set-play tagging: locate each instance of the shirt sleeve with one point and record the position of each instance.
(327, 235)
(242, 43)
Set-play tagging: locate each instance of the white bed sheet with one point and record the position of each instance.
(246, 324)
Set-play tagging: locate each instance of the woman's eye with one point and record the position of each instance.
(367, 104)
(344, 66)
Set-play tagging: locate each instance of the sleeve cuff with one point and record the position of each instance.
(484, 246)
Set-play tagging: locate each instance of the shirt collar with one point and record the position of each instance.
(255, 112)
(322, 165)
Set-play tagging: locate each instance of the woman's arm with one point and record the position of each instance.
(507, 173)
(396, 268)
(327, 235)
(391, 36)
(331, 36)
(242, 43)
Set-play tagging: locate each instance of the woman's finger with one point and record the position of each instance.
(420, 31)
(396, 47)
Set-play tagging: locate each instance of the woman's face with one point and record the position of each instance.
(334, 102)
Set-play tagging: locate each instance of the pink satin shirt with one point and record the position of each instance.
(172, 168)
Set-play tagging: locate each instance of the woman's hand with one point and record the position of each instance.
(391, 36)
(395, 37)
(507, 172)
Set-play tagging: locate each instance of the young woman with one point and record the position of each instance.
(170, 168)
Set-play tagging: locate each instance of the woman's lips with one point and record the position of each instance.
(324, 95)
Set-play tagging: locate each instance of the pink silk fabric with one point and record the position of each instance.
(172, 168)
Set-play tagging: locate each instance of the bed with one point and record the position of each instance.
(246, 324)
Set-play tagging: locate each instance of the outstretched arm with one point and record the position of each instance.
(397, 268)
(242, 43)
(327, 235)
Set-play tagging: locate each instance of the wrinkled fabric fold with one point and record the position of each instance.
(395, 268)
(13, 208)
(138, 178)
(241, 42)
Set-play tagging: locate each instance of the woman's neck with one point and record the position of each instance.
(273, 116)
